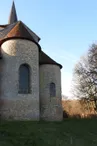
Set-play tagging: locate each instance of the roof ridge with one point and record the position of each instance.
(4, 32)
(28, 29)
(25, 27)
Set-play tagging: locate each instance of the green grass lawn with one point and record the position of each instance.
(70, 132)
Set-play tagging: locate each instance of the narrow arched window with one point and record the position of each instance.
(24, 79)
(52, 90)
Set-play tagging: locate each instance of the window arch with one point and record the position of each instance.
(24, 79)
(52, 89)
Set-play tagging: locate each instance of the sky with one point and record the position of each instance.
(67, 29)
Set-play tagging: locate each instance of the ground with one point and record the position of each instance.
(70, 132)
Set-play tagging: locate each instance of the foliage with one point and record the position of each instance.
(78, 108)
(85, 76)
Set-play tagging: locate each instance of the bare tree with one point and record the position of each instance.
(85, 76)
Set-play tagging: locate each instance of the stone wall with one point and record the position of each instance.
(19, 106)
(51, 108)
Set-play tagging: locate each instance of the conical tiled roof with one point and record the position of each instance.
(18, 30)
(45, 59)
(13, 15)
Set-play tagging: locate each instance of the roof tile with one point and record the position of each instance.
(45, 59)
(19, 30)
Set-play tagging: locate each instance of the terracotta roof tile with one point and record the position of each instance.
(6, 30)
(19, 30)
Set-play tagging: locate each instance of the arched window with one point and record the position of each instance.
(52, 90)
(24, 79)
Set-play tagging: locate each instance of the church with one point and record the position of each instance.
(30, 81)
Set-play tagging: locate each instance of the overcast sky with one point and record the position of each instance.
(66, 27)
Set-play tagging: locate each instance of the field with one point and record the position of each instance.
(70, 132)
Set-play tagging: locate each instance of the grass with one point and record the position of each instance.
(70, 132)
